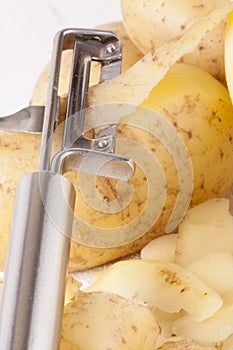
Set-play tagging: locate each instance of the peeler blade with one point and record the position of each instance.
(29, 120)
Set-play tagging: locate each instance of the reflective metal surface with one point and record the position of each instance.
(29, 119)
(33, 288)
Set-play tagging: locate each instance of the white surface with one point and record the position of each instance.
(27, 28)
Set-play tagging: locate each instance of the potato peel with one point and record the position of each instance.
(135, 84)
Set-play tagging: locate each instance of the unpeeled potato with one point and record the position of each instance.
(102, 321)
(167, 20)
(19, 154)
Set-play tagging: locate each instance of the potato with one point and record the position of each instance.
(167, 20)
(133, 87)
(72, 290)
(102, 321)
(198, 115)
(165, 286)
(198, 236)
(185, 344)
(212, 330)
(228, 53)
(130, 55)
(166, 321)
(161, 249)
(216, 270)
(206, 116)
(19, 154)
(228, 343)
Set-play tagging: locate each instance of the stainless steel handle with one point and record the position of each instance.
(36, 266)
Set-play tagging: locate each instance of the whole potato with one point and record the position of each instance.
(167, 20)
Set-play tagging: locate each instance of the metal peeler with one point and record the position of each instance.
(38, 252)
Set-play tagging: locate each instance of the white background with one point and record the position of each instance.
(27, 28)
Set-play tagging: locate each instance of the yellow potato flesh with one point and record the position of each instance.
(137, 82)
(204, 121)
(167, 20)
(165, 286)
(201, 113)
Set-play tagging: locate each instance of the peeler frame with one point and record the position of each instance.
(36, 266)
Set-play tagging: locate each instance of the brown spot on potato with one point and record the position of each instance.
(123, 340)
(170, 277)
(221, 153)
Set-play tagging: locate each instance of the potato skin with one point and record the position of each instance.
(19, 154)
(201, 113)
(167, 20)
(120, 325)
(185, 344)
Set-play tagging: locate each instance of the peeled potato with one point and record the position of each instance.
(167, 20)
(102, 321)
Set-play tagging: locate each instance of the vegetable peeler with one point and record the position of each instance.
(36, 266)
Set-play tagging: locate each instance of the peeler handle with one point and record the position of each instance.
(34, 280)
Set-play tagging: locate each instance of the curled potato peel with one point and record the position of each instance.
(167, 20)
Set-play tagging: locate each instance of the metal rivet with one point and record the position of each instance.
(102, 143)
(110, 48)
